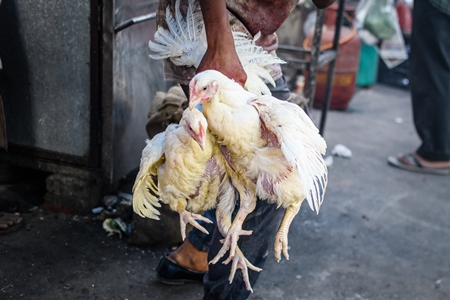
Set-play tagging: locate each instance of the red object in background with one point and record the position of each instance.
(404, 17)
(347, 62)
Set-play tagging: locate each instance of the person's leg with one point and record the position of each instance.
(189, 262)
(264, 221)
(430, 91)
(192, 254)
(430, 83)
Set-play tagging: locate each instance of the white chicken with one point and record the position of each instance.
(184, 43)
(272, 146)
(192, 177)
(190, 171)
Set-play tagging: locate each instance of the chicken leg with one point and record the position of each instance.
(223, 216)
(247, 205)
(188, 217)
(281, 239)
(239, 261)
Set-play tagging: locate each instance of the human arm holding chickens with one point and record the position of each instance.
(221, 53)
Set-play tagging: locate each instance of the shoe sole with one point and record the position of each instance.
(176, 281)
(393, 161)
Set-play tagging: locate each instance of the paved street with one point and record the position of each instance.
(381, 234)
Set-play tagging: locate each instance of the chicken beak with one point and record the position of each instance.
(193, 103)
(193, 99)
(200, 141)
(201, 138)
(202, 145)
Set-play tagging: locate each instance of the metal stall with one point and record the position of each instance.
(311, 60)
(76, 93)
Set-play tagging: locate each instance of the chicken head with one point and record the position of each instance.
(195, 125)
(201, 89)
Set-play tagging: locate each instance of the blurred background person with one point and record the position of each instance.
(430, 89)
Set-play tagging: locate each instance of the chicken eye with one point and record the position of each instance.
(205, 88)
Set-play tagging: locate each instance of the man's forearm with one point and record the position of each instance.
(221, 54)
(215, 18)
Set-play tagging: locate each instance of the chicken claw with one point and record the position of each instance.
(247, 205)
(188, 217)
(281, 239)
(281, 243)
(230, 241)
(239, 261)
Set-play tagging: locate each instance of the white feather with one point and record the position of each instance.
(301, 144)
(144, 202)
(185, 44)
(287, 124)
(250, 53)
(273, 147)
(185, 40)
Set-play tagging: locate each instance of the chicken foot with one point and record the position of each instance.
(281, 239)
(232, 236)
(238, 260)
(189, 217)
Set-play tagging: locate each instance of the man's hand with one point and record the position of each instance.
(221, 53)
(224, 59)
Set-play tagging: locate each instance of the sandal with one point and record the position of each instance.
(12, 222)
(410, 163)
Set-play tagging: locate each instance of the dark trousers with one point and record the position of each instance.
(264, 221)
(430, 80)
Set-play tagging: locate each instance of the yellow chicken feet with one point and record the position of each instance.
(239, 261)
(281, 239)
(223, 216)
(188, 217)
(232, 237)
(247, 205)
(281, 243)
(230, 241)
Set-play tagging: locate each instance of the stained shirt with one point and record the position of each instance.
(249, 16)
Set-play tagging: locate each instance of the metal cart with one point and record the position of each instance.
(312, 60)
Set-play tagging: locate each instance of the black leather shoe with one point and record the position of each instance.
(171, 273)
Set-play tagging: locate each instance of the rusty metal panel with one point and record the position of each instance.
(77, 92)
(45, 47)
(136, 79)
